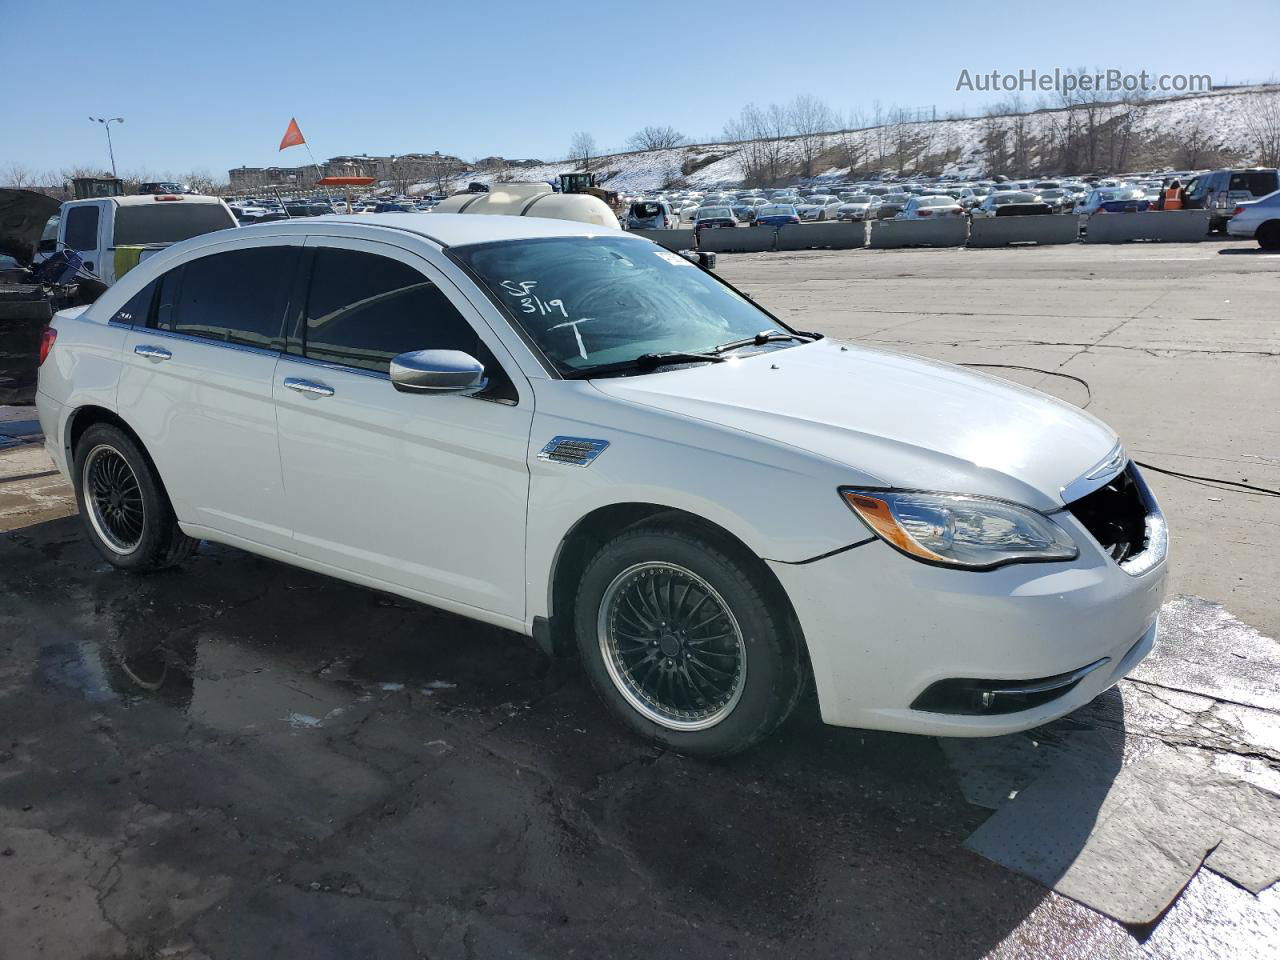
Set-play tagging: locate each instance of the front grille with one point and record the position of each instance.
(1116, 515)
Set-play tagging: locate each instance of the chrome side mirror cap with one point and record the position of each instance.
(437, 371)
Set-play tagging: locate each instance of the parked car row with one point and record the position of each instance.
(1220, 191)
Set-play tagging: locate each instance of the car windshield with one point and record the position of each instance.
(705, 212)
(590, 302)
(776, 210)
(936, 201)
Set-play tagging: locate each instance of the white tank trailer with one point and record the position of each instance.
(531, 200)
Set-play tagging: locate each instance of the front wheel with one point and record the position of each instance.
(686, 641)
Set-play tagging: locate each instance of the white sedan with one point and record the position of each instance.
(818, 208)
(930, 208)
(1259, 219)
(572, 433)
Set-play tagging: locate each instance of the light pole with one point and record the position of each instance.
(107, 124)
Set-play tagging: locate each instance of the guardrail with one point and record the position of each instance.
(679, 239)
(1002, 231)
(1174, 226)
(833, 235)
(943, 232)
(737, 239)
(1170, 226)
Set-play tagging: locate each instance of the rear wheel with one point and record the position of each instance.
(686, 642)
(125, 510)
(1268, 235)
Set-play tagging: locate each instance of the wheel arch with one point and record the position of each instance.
(82, 418)
(602, 524)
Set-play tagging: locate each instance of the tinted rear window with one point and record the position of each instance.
(233, 297)
(168, 221)
(1257, 182)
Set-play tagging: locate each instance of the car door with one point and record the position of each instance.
(196, 386)
(424, 492)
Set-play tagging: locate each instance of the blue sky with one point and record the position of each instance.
(213, 85)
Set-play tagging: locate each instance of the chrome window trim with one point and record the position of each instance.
(335, 367)
(191, 338)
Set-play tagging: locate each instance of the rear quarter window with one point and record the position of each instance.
(1257, 182)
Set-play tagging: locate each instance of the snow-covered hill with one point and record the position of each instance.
(956, 147)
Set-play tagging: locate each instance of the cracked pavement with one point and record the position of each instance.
(239, 759)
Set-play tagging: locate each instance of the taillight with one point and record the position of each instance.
(46, 342)
(1237, 211)
(924, 213)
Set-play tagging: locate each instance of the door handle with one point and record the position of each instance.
(308, 386)
(152, 353)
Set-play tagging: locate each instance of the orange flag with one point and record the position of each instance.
(292, 136)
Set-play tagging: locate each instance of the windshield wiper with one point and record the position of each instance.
(759, 340)
(651, 361)
(646, 361)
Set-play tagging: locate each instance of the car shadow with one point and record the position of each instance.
(822, 841)
(1247, 252)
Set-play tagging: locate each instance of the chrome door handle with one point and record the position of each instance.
(308, 386)
(152, 353)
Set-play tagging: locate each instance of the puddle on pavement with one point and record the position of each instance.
(296, 655)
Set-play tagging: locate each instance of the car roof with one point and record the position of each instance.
(449, 229)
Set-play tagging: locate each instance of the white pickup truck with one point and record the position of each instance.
(114, 234)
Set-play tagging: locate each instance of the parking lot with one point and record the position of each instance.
(240, 759)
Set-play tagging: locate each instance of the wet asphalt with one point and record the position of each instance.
(240, 759)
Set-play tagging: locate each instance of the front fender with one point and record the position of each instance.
(780, 502)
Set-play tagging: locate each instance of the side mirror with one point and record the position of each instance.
(437, 371)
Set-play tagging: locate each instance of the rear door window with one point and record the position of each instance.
(235, 297)
(364, 309)
(82, 227)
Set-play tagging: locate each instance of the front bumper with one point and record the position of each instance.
(882, 628)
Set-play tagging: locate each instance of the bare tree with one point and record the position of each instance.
(202, 181)
(809, 119)
(1194, 145)
(582, 148)
(995, 141)
(1261, 115)
(759, 133)
(17, 175)
(656, 138)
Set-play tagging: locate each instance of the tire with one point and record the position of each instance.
(125, 510)
(699, 693)
(1268, 235)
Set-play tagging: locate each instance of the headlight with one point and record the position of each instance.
(953, 530)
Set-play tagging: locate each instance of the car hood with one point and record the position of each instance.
(23, 214)
(894, 420)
